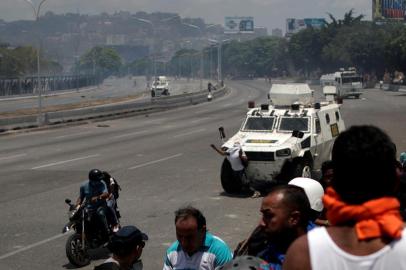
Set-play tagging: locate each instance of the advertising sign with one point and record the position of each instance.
(295, 25)
(389, 9)
(235, 25)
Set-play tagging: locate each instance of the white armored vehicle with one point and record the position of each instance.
(160, 87)
(289, 137)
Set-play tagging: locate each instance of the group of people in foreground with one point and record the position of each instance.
(363, 226)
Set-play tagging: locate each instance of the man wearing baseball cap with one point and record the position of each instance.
(126, 246)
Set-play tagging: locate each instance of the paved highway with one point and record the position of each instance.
(120, 89)
(162, 161)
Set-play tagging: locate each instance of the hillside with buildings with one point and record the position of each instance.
(64, 38)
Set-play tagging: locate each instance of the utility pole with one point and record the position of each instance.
(37, 10)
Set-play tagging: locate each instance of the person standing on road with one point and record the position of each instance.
(367, 231)
(126, 245)
(195, 248)
(238, 161)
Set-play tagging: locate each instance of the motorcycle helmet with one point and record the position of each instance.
(245, 263)
(313, 189)
(95, 175)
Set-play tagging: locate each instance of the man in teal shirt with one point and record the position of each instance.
(195, 248)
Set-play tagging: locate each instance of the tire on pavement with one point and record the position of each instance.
(229, 182)
(302, 167)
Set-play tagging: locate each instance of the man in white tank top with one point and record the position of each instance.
(367, 230)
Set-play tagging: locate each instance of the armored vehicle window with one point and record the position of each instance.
(294, 123)
(337, 116)
(351, 79)
(327, 118)
(259, 124)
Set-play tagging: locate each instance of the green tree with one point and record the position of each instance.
(22, 61)
(100, 61)
(305, 49)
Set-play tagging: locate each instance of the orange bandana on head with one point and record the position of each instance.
(373, 219)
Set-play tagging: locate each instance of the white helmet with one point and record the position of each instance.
(313, 189)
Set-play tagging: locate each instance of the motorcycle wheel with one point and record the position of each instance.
(76, 254)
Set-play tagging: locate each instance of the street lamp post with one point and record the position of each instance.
(153, 41)
(39, 87)
(201, 56)
(219, 57)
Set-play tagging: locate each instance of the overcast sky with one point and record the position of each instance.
(268, 13)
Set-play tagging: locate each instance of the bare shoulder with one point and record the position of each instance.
(297, 256)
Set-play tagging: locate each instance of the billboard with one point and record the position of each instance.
(295, 25)
(389, 9)
(236, 25)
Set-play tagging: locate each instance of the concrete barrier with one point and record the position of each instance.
(110, 110)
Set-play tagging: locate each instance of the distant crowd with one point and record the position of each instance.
(351, 218)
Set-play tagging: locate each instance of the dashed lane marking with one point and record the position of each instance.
(130, 134)
(64, 161)
(72, 135)
(154, 161)
(4, 256)
(12, 157)
(190, 133)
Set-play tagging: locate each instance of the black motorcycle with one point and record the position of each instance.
(88, 234)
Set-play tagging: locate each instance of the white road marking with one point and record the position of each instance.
(157, 120)
(64, 161)
(200, 119)
(4, 256)
(14, 156)
(72, 135)
(189, 133)
(130, 134)
(155, 161)
(202, 112)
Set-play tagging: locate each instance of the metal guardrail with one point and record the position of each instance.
(111, 110)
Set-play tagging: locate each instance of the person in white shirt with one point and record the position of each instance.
(238, 161)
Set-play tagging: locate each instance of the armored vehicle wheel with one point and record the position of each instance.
(302, 168)
(229, 183)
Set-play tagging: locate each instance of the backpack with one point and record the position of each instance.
(253, 245)
(113, 189)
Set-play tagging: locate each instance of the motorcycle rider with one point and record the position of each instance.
(112, 188)
(95, 192)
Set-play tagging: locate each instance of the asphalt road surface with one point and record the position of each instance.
(111, 88)
(162, 161)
